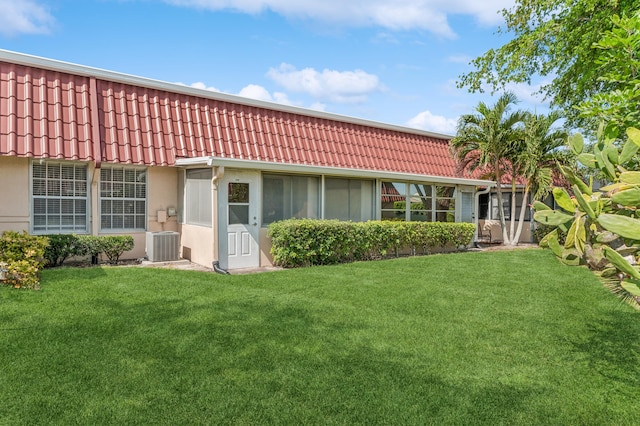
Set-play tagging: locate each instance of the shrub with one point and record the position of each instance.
(22, 256)
(61, 247)
(111, 245)
(305, 242)
(114, 245)
(89, 245)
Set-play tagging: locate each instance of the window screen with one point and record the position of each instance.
(286, 197)
(123, 198)
(198, 197)
(60, 200)
(348, 199)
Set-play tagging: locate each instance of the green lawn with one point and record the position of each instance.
(510, 337)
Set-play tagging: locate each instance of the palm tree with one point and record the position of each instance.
(486, 140)
(535, 158)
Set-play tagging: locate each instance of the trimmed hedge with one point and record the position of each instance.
(21, 258)
(63, 246)
(306, 242)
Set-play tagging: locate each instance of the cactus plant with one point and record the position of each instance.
(602, 225)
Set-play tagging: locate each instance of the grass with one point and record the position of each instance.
(473, 338)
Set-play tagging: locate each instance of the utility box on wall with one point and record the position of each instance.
(162, 246)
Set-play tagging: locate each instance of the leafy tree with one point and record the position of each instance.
(535, 157)
(619, 63)
(552, 38)
(484, 141)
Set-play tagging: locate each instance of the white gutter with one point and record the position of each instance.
(322, 170)
(215, 222)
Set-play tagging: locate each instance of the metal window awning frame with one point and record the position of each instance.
(320, 170)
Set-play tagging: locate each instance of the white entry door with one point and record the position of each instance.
(240, 202)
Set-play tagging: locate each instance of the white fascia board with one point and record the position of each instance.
(320, 170)
(85, 71)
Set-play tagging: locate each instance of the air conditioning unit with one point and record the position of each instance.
(162, 246)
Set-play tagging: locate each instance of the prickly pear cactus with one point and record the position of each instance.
(603, 225)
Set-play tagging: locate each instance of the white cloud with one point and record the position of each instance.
(201, 85)
(255, 91)
(429, 15)
(24, 17)
(460, 59)
(433, 123)
(318, 106)
(332, 85)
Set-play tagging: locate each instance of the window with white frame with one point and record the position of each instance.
(445, 204)
(426, 202)
(348, 199)
(286, 197)
(394, 201)
(123, 198)
(421, 199)
(60, 197)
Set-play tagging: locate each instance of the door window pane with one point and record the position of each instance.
(238, 192)
(238, 214)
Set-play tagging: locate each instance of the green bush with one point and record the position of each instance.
(61, 247)
(21, 258)
(306, 242)
(89, 245)
(114, 245)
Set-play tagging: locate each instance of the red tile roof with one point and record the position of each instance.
(47, 113)
(44, 114)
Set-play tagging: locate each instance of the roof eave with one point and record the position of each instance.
(336, 171)
(82, 70)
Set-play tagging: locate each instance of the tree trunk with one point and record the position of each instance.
(523, 209)
(512, 216)
(503, 225)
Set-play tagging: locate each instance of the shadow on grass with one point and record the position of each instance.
(612, 347)
(63, 273)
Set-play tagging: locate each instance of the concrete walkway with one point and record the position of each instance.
(185, 264)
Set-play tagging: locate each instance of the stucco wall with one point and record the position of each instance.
(496, 232)
(14, 194)
(197, 244)
(15, 214)
(162, 194)
(265, 248)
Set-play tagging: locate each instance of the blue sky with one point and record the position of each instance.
(393, 61)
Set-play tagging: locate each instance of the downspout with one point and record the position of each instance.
(97, 152)
(476, 214)
(219, 173)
